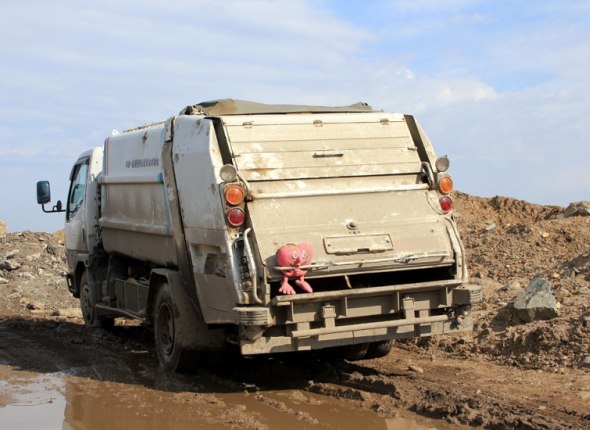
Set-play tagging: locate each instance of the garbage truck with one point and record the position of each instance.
(274, 228)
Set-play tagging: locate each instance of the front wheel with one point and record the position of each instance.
(88, 300)
(170, 354)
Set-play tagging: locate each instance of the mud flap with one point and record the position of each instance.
(192, 334)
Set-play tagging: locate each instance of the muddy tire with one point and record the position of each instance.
(379, 349)
(356, 352)
(88, 299)
(340, 353)
(170, 355)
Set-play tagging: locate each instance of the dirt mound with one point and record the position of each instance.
(3, 229)
(32, 276)
(507, 239)
(509, 242)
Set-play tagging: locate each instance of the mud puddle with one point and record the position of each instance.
(29, 401)
(62, 401)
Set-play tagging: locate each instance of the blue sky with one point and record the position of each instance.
(502, 87)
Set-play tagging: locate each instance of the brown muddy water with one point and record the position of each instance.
(30, 400)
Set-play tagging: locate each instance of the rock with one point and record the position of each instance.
(26, 275)
(486, 332)
(34, 306)
(416, 369)
(536, 302)
(9, 265)
(577, 209)
(3, 280)
(510, 287)
(3, 229)
(12, 254)
(491, 227)
(68, 313)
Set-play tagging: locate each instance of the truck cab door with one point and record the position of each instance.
(75, 228)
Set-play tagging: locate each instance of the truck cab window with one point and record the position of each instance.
(77, 188)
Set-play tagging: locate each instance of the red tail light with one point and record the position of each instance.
(235, 217)
(446, 204)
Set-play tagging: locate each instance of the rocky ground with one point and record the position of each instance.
(506, 374)
(509, 243)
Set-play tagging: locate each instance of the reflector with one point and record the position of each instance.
(234, 195)
(228, 173)
(445, 184)
(235, 217)
(446, 204)
(442, 163)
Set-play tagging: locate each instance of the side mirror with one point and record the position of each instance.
(44, 196)
(43, 192)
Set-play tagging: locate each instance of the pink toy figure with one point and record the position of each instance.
(294, 256)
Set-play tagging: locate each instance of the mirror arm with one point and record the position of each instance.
(56, 208)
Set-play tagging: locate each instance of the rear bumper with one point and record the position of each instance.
(334, 318)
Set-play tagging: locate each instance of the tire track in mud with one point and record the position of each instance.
(443, 392)
(249, 392)
(118, 368)
(453, 391)
(24, 352)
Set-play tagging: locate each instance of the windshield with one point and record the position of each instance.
(77, 188)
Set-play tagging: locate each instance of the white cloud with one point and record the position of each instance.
(428, 5)
(499, 92)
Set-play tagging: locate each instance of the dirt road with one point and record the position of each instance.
(55, 373)
(112, 379)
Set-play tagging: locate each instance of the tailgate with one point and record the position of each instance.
(355, 233)
(304, 146)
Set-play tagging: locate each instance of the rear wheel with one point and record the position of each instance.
(347, 352)
(88, 299)
(170, 355)
(356, 352)
(379, 349)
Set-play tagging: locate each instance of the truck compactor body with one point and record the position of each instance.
(275, 228)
